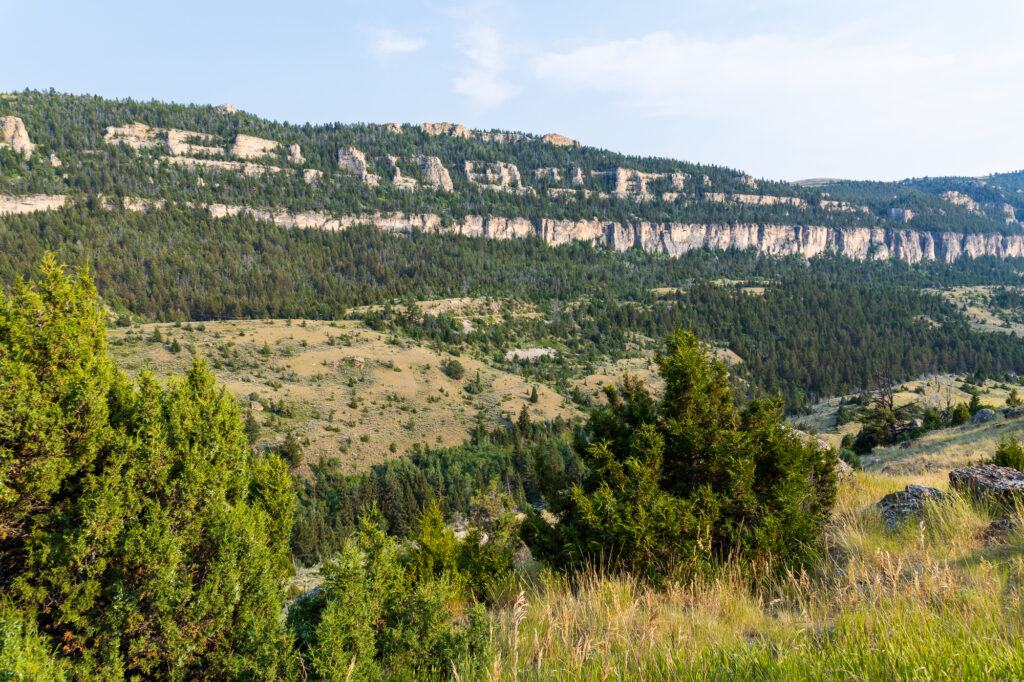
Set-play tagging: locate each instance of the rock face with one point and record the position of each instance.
(312, 175)
(552, 174)
(982, 416)
(30, 204)
(403, 183)
(135, 135)
(14, 134)
(989, 481)
(435, 172)
(393, 128)
(901, 215)
(250, 169)
(354, 161)
(179, 143)
(755, 199)
(225, 108)
(249, 147)
(295, 154)
(453, 129)
(903, 504)
(498, 175)
(960, 199)
(560, 140)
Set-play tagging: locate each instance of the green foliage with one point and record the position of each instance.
(291, 450)
(533, 395)
(141, 535)
(974, 405)
(454, 369)
(252, 427)
(1009, 453)
(680, 485)
(379, 615)
(961, 415)
(24, 653)
(1013, 399)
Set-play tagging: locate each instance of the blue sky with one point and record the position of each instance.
(786, 89)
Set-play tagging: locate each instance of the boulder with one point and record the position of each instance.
(988, 481)
(1014, 412)
(906, 503)
(982, 416)
(997, 531)
(843, 470)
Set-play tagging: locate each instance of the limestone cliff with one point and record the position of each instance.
(354, 161)
(250, 147)
(435, 172)
(14, 135)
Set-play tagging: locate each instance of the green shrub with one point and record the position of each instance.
(454, 369)
(679, 485)
(1009, 453)
(139, 527)
(375, 618)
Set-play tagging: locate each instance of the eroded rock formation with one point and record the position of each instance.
(354, 161)
(435, 172)
(14, 135)
(250, 147)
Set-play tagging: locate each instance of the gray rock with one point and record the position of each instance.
(997, 531)
(982, 416)
(988, 481)
(1014, 412)
(903, 504)
(843, 470)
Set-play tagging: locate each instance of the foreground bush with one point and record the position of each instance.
(141, 536)
(385, 612)
(678, 485)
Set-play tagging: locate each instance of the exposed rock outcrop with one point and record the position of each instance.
(901, 215)
(560, 140)
(308, 220)
(403, 183)
(352, 160)
(989, 481)
(755, 199)
(250, 169)
(13, 134)
(961, 199)
(577, 176)
(904, 504)
(499, 175)
(982, 416)
(393, 128)
(225, 108)
(135, 135)
(179, 143)
(54, 161)
(435, 172)
(295, 154)
(11, 205)
(250, 147)
(312, 175)
(552, 174)
(453, 129)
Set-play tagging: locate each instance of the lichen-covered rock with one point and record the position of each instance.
(14, 134)
(988, 481)
(906, 503)
(982, 416)
(997, 531)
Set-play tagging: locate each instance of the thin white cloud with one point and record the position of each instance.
(387, 43)
(855, 93)
(483, 79)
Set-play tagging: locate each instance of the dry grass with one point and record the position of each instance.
(930, 600)
(401, 395)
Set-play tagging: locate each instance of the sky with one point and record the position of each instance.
(784, 89)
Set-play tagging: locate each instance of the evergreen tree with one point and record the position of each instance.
(679, 485)
(252, 427)
(142, 538)
(291, 450)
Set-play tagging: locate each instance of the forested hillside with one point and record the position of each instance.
(186, 153)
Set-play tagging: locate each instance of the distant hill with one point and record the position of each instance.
(58, 149)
